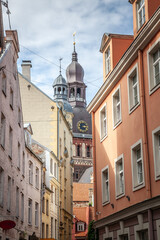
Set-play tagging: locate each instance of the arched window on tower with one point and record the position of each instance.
(59, 90)
(88, 151)
(55, 91)
(78, 150)
(63, 90)
(72, 93)
(78, 92)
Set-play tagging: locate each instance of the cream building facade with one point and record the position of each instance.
(51, 122)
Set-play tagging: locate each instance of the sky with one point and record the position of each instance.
(45, 30)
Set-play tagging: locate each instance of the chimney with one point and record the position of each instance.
(26, 69)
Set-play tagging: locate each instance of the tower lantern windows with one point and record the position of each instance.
(78, 92)
(59, 90)
(72, 93)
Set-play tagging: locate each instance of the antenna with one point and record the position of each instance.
(60, 65)
(8, 12)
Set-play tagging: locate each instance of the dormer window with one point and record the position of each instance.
(80, 226)
(140, 13)
(107, 61)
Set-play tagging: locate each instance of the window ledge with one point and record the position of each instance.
(102, 139)
(10, 157)
(11, 107)
(3, 147)
(117, 124)
(134, 108)
(152, 90)
(105, 203)
(142, 185)
(120, 196)
(4, 93)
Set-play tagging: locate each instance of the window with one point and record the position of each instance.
(156, 152)
(22, 207)
(78, 92)
(3, 130)
(103, 122)
(36, 214)
(9, 194)
(137, 165)
(23, 164)
(43, 229)
(88, 151)
(107, 61)
(19, 156)
(37, 178)
(11, 98)
(133, 89)
(30, 172)
(78, 150)
(64, 139)
(154, 66)
(29, 211)
(55, 170)
(19, 116)
(143, 235)
(116, 108)
(1, 186)
(124, 237)
(140, 13)
(10, 141)
(55, 228)
(56, 196)
(119, 169)
(52, 193)
(77, 174)
(17, 201)
(47, 207)
(51, 166)
(80, 226)
(105, 185)
(43, 205)
(46, 230)
(51, 227)
(4, 84)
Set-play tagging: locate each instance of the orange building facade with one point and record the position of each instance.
(126, 131)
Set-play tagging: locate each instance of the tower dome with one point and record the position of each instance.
(74, 71)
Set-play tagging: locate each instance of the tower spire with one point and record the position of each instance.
(74, 54)
(60, 65)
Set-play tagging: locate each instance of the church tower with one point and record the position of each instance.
(82, 126)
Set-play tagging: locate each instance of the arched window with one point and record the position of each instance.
(64, 90)
(78, 92)
(88, 151)
(55, 91)
(59, 90)
(72, 93)
(78, 150)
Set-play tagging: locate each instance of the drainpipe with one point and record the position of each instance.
(145, 144)
(94, 165)
(59, 108)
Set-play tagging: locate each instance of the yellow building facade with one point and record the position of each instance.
(51, 122)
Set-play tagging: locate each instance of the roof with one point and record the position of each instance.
(81, 213)
(86, 177)
(81, 191)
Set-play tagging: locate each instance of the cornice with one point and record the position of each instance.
(140, 42)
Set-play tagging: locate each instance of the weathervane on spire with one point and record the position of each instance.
(8, 11)
(60, 65)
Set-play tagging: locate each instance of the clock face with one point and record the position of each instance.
(82, 126)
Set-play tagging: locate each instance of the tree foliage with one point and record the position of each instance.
(91, 231)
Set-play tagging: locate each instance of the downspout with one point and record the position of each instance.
(145, 144)
(94, 165)
(58, 212)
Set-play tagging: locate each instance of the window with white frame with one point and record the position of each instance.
(80, 226)
(9, 194)
(29, 211)
(154, 66)
(3, 130)
(4, 84)
(1, 185)
(105, 185)
(22, 207)
(36, 214)
(103, 122)
(37, 177)
(17, 201)
(119, 169)
(140, 13)
(116, 107)
(10, 142)
(19, 156)
(30, 172)
(133, 88)
(107, 61)
(137, 165)
(156, 152)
